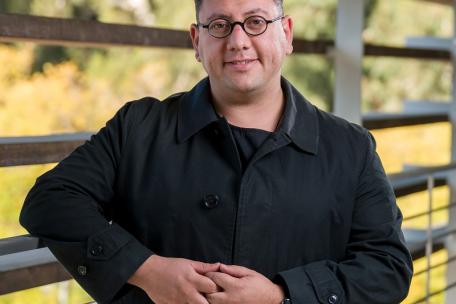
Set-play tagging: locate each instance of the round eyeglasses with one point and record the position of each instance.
(253, 26)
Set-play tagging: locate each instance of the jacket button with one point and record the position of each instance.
(96, 250)
(332, 299)
(211, 201)
(82, 270)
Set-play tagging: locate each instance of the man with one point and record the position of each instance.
(238, 191)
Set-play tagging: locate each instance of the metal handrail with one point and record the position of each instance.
(420, 172)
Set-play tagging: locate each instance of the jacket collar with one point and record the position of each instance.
(299, 120)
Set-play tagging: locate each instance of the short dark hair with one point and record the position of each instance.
(278, 3)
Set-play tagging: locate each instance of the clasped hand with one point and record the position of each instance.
(176, 281)
(238, 284)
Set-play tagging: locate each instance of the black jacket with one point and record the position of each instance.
(312, 210)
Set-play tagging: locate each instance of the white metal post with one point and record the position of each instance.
(428, 248)
(451, 240)
(349, 51)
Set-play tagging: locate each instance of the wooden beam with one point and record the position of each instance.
(17, 151)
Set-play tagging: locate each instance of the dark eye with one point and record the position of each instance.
(255, 22)
(219, 25)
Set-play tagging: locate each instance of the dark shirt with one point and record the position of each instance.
(247, 140)
(313, 208)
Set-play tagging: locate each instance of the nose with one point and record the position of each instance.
(238, 40)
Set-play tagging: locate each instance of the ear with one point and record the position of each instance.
(287, 24)
(194, 35)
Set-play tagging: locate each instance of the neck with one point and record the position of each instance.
(259, 110)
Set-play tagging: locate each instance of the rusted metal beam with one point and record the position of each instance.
(17, 151)
(413, 185)
(390, 120)
(30, 269)
(404, 52)
(303, 46)
(19, 243)
(73, 32)
(416, 240)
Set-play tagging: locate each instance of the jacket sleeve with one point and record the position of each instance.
(377, 267)
(68, 209)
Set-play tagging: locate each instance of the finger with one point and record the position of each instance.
(217, 298)
(222, 279)
(236, 271)
(197, 298)
(204, 284)
(203, 268)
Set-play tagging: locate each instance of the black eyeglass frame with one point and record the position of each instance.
(241, 24)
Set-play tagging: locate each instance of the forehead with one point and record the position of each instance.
(237, 8)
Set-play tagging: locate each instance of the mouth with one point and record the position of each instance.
(241, 62)
(241, 65)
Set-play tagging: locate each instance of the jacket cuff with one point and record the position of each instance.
(103, 264)
(313, 283)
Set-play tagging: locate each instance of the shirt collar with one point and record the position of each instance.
(299, 120)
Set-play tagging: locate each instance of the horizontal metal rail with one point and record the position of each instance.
(405, 52)
(391, 120)
(18, 244)
(30, 269)
(22, 257)
(416, 241)
(73, 32)
(35, 267)
(16, 151)
(34, 150)
(422, 171)
(409, 186)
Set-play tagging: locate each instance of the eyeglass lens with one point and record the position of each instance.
(254, 25)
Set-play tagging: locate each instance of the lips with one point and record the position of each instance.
(240, 62)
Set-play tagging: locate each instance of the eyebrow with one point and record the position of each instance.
(253, 11)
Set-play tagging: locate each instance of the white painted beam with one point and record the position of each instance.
(451, 240)
(433, 43)
(348, 53)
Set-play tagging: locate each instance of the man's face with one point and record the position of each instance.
(241, 62)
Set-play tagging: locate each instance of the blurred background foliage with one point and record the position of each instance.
(55, 89)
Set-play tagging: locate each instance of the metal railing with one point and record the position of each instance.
(25, 263)
(26, 257)
(432, 235)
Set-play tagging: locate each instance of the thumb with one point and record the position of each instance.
(235, 270)
(203, 268)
